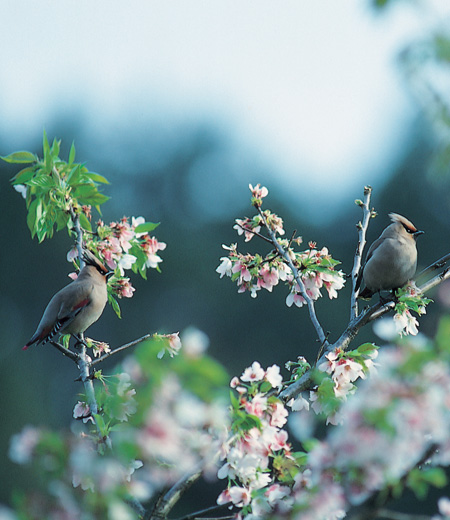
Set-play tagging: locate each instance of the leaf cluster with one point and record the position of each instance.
(54, 189)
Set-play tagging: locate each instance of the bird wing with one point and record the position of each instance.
(76, 297)
(371, 251)
(72, 300)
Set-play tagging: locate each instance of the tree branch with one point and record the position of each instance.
(371, 507)
(368, 315)
(65, 351)
(196, 515)
(167, 501)
(119, 349)
(362, 227)
(312, 313)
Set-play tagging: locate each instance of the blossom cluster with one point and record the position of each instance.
(409, 298)
(253, 272)
(174, 431)
(122, 246)
(390, 425)
(259, 462)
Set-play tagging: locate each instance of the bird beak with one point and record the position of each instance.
(417, 233)
(109, 274)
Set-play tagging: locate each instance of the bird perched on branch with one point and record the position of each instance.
(392, 259)
(78, 305)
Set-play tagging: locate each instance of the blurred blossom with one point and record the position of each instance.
(22, 189)
(22, 444)
(195, 342)
(444, 293)
(385, 329)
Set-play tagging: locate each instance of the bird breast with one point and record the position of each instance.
(90, 313)
(391, 265)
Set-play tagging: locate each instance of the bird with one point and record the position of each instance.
(391, 260)
(78, 305)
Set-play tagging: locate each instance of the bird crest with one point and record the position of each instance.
(407, 224)
(91, 259)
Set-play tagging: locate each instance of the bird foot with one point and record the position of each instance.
(79, 342)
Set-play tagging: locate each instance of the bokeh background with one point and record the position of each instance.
(181, 105)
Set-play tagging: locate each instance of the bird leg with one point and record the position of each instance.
(79, 341)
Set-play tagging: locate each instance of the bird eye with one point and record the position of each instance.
(408, 229)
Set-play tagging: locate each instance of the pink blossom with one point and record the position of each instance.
(257, 406)
(253, 373)
(247, 228)
(274, 377)
(22, 445)
(296, 298)
(406, 323)
(279, 414)
(225, 268)
(173, 345)
(333, 281)
(279, 440)
(298, 404)
(82, 411)
(348, 370)
(123, 288)
(329, 365)
(123, 232)
(258, 192)
(444, 506)
(150, 247)
(72, 254)
(275, 493)
(268, 278)
(240, 496)
(244, 273)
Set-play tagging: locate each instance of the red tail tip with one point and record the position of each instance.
(25, 347)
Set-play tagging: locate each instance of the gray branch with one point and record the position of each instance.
(168, 500)
(283, 253)
(362, 230)
(120, 349)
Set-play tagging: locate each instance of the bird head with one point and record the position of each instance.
(92, 260)
(404, 226)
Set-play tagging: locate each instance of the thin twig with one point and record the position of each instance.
(167, 501)
(371, 507)
(119, 349)
(370, 314)
(194, 516)
(362, 227)
(395, 515)
(65, 351)
(254, 232)
(435, 265)
(298, 279)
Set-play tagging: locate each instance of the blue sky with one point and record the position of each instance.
(309, 86)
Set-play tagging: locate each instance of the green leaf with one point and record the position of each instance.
(98, 178)
(31, 217)
(55, 148)
(72, 153)
(44, 181)
(21, 157)
(114, 304)
(47, 154)
(84, 221)
(23, 176)
(146, 227)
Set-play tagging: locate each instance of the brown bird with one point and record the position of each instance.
(392, 259)
(78, 305)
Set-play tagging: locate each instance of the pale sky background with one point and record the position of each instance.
(309, 85)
